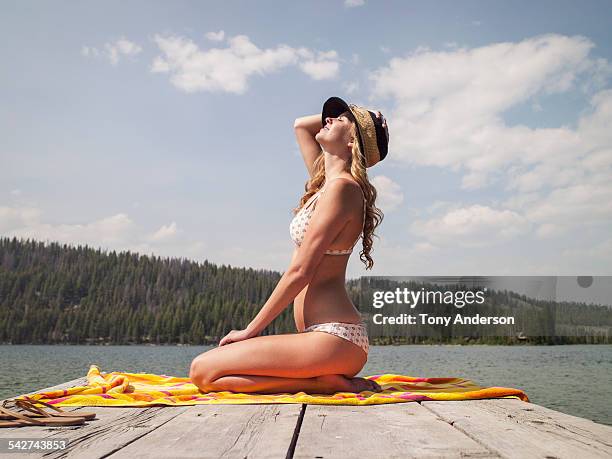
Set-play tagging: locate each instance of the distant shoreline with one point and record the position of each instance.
(371, 344)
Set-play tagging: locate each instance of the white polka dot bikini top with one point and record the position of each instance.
(300, 222)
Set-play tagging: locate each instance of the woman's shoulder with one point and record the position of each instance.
(346, 179)
(348, 187)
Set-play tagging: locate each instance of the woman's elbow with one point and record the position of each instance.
(297, 123)
(301, 273)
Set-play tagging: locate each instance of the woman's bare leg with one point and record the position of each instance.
(265, 384)
(314, 362)
(326, 384)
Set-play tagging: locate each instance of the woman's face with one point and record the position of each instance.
(336, 133)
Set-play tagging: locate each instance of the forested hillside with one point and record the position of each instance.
(61, 294)
(53, 293)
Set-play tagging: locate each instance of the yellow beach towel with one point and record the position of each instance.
(143, 389)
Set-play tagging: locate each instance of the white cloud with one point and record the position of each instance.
(353, 3)
(165, 233)
(424, 247)
(16, 192)
(216, 36)
(350, 87)
(450, 113)
(389, 193)
(12, 217)
(602, 251)
(322, 66)
(228, 69)
(471, 227)
(26, 222)
(88, 51)
(121, 47)
(117, 232)
(572, 207)
(449, 108)
(113, 50)
(441, 206)
(275, 255)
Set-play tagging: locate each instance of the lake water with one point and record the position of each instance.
(574, 379)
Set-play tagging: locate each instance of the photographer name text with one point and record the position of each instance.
(428, 319)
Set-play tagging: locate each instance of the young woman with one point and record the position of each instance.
(331, 345)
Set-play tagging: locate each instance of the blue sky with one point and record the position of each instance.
(166, 128)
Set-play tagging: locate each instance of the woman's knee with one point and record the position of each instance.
(200, 372)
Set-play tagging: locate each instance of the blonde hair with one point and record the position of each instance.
(374, 216)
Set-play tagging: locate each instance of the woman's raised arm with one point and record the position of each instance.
(305, 129)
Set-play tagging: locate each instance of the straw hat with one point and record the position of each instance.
(373, 137)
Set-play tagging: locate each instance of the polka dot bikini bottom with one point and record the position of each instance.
(355, 333)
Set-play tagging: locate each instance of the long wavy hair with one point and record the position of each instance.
(374, 216)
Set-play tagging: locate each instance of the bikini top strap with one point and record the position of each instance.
(312, 199)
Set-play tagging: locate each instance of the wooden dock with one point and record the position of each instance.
(492, 428)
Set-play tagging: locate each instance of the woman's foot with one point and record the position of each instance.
(370, 385)
(339, 383)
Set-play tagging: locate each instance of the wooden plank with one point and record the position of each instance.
(74, 383)
(477, 428)
(40, 432)
(215, 431)
(539, 414)
(517, 429)
(113, 428)
(390, 431)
